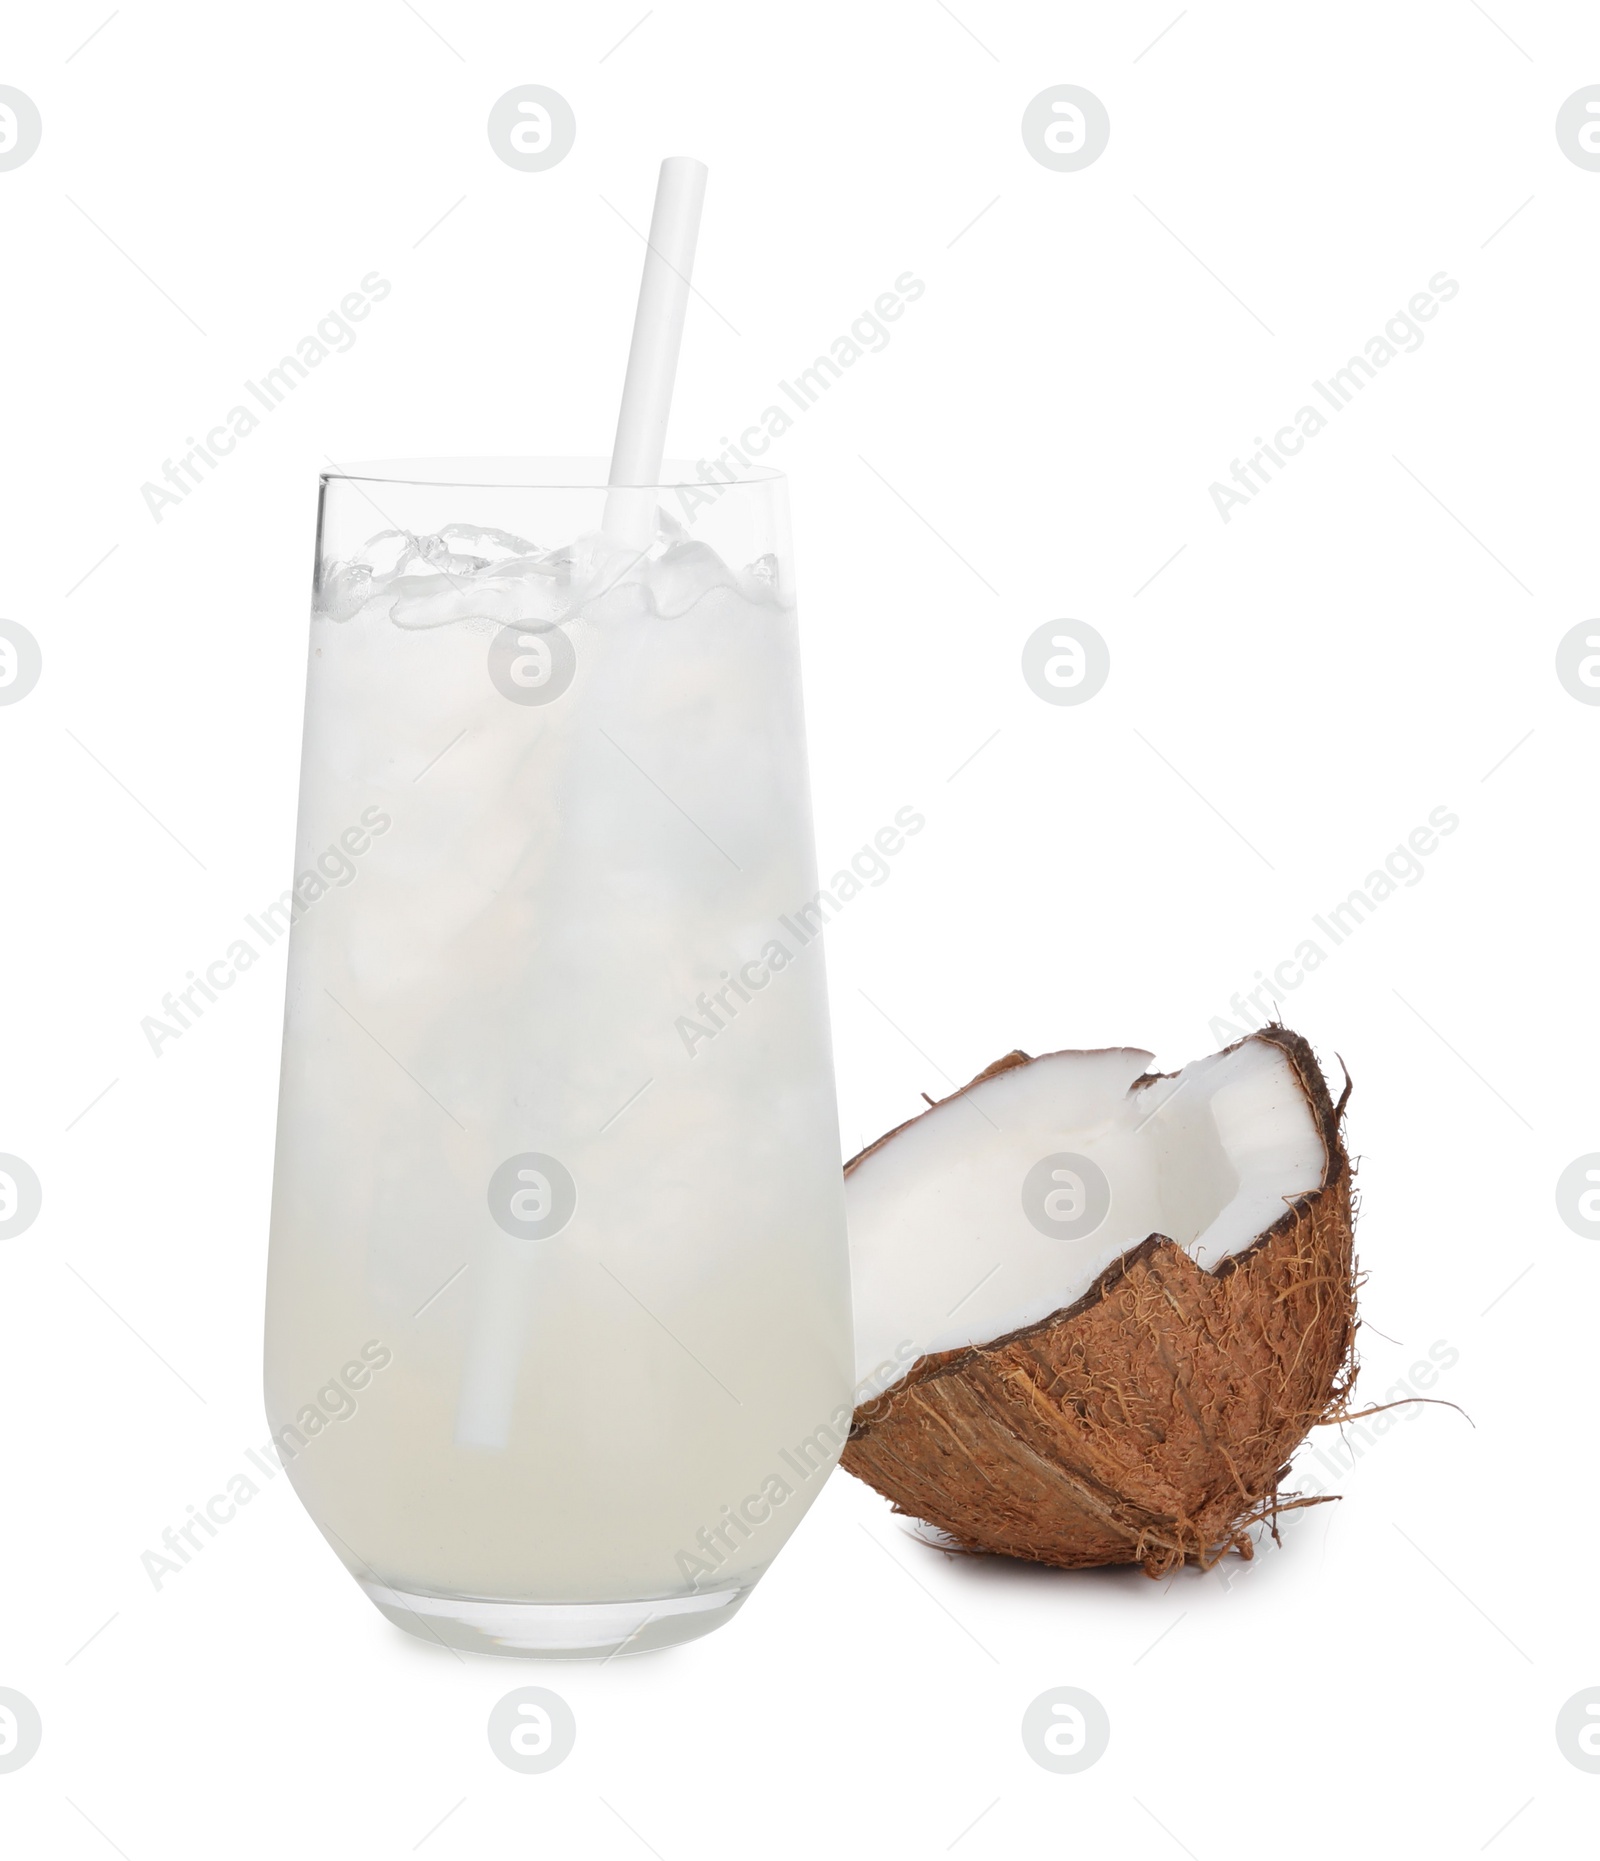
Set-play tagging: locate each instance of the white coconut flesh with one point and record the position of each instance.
(944, 1250)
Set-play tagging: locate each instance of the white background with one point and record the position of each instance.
(1369, 639)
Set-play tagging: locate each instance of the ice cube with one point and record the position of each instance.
(474, 573)
(495, 546)
(759, 581)
(344, 590)
(683, 574)
(386, 553)
(520, 593)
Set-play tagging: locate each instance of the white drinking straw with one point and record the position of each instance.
(511, 1271)
(653, 358)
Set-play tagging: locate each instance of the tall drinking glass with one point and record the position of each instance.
(558, 1326)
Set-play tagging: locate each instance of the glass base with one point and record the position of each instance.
(556, 1631)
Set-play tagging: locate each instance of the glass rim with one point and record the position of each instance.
(553, 473)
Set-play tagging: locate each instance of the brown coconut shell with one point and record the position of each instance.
(1151, 1422)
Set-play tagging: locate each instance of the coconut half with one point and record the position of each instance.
(1097, 1308)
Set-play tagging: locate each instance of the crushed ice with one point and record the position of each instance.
(466, 572)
